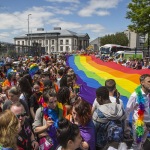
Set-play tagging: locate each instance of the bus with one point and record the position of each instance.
(110, 49)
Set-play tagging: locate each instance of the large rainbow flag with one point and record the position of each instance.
(92, 72)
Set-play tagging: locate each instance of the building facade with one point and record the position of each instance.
(56, 40)
(96, 44)
(136, 40)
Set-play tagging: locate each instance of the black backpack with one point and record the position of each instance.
(114, 131)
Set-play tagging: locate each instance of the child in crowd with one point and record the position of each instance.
(68, 135)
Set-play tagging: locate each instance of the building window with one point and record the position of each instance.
(67, 42)
(18, 49)
(61, 42)
(53, 42)
(52, 48)
(22, 42)
(18, 42)
(75, 42)
(67, 48)
(40, 41)
(46, 49)
(61, 48)
(46, 42)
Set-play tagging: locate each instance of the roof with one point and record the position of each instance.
(54, 33)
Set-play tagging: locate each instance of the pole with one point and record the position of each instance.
(28, 29)
(57, 43)
(148, 37)
(46, 50)
(148, 44)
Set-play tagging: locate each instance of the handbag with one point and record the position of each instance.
(45, 143)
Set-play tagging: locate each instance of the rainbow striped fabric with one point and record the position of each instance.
(92, 72)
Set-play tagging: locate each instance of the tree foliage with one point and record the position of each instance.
(118, 38)
(11, 53)
(139, 14)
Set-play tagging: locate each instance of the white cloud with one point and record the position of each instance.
(4, 35)
(18, 21)
(93, 27)
(65, 25)
(64, 1)
(77, 26)
(57, 10)
(96, 6)
(101, 13)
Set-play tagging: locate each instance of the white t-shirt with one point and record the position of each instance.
(133, 106)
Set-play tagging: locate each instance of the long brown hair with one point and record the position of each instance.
(8, 129)
(83, 110)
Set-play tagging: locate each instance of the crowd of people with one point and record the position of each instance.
(40, 108)
(134, 63)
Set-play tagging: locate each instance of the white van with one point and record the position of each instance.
(128, 54)
(110, 49)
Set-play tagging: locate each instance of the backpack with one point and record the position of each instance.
(114, 131)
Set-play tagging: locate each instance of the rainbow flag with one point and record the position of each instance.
(33, 69)
(92, 72)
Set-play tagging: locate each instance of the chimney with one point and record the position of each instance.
(57, 28)
(40, 29)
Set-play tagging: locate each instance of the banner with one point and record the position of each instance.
(92, 72)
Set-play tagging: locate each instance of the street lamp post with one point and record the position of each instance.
(28, 28)
(148, 38)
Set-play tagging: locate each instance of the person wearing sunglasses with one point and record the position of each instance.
(46, 118)
(25, 139)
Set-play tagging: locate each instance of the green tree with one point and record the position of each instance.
(11, 53)
(118, 38)
(139, 14)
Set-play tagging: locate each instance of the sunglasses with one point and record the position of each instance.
(21, 115)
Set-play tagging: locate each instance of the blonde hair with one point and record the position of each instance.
(8, 129)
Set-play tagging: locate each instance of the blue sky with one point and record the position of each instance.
(95, 17)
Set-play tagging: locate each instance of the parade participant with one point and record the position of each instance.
(13, 96)
(45, 76)
(25, 89)
(138, 103)
(33, 102)
(2, 75)
(63, 78)
(48, 84)
(114, 95)
(18, 76)
(10, 81)
(81, 115)
(68, 135)
(3, 97)
(63, 96)
(25, 138)
(9, 128)
(107, 116)
(47, 117)
(59, 76)
(29, 78)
